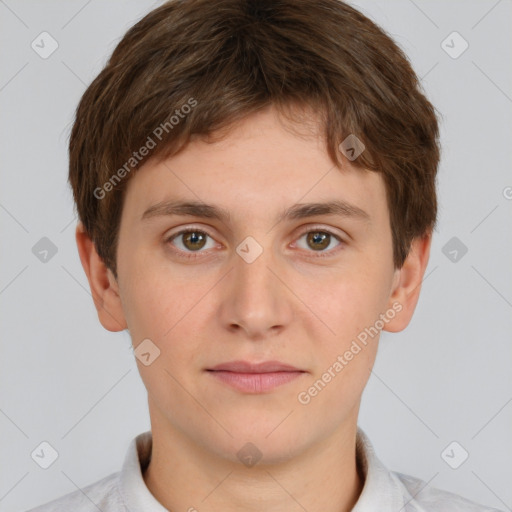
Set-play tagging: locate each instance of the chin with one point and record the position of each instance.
(269, 439)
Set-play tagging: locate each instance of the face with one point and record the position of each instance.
(256, 277)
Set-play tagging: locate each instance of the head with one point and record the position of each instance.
(259, 114)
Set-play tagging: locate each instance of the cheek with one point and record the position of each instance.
(346, 302)
(349, 303)
(156, 299)
(344, 359)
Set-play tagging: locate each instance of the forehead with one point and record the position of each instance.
(262, 164)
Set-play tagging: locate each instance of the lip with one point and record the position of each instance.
(247, 367)
(255, 378)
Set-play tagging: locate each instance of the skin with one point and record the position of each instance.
(289, 305)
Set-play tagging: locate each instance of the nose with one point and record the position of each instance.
(256, 301)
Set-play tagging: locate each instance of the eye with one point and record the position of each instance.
(319, 240)
(191, 240)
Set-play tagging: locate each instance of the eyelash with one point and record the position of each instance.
(197, 254)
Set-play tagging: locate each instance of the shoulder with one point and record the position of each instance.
(102, 495)
(424, 498)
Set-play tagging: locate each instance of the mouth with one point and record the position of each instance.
(254, 378)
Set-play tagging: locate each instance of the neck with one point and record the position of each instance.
(185, 476)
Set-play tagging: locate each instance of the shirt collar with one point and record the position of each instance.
(134, 492)
(381, 490)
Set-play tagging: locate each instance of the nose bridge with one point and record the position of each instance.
(257, 300)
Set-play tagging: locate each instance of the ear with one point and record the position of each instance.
(103, 284)
(407, 283)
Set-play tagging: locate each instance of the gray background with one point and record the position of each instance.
(65, 380)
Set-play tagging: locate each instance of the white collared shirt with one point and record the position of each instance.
(383, 490)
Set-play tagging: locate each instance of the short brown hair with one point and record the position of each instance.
(231, 58)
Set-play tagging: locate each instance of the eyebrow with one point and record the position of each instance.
(297, 211)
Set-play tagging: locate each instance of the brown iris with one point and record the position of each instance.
(194, 240)
(318, 239)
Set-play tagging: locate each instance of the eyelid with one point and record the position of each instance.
(187, 228)
(319, 227)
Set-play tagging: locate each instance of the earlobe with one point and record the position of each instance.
(103, 285)
(407, 283)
